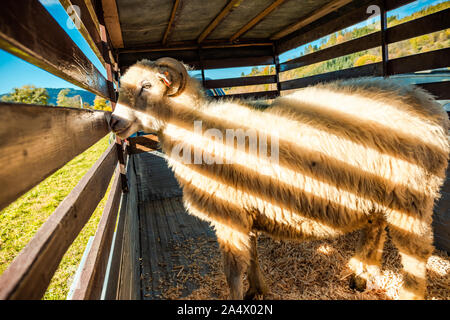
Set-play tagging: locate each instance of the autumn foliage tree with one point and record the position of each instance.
(29, 95)
(101, 104)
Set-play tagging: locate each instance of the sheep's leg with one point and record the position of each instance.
(256, 281)
(235, 247)
(413, 238)
(367, 261)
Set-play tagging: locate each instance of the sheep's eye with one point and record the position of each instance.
(146, 85)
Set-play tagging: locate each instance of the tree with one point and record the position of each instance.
(28, 94)
(64, 101)
(101, 104)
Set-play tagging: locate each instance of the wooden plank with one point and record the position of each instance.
(236, 62)
(35, 141)
(313, 16)
(129, 278)
(243, 81)
(441, 222)
(374, 69)
(366, 42)
(112, 286)
(93, 272)
(111, 17)
(30, 273)
(251, 95)
(424, 25)
(30, 32)
(434, 22)
(111, 289)
(231, 5)
(141, 144)
(256, 19)
(418, 62)
(441, 90)
(171, 21)
(190, 45)
(301, 37)
(87, 26)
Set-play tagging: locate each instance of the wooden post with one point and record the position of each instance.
(384, 46)
(200, 60)
(276, 60)
(109, 72)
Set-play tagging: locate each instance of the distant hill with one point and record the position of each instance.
(53, 93)
(85, 95)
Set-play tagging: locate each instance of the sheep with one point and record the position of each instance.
(327, 160)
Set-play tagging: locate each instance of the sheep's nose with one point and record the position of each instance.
(113, 122)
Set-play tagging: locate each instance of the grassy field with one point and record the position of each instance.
(20, 221)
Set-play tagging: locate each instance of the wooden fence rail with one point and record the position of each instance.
(94, 269)
(35, 141)
(28, 31)
(30, 273)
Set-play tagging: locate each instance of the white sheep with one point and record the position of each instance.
(321, 162)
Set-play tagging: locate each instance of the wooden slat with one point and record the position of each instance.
(428, 24)
(171, 21)
(441, 90)
(88, 28)
(251, 95)
(256, 19)
(431, 23)
(93, 272)
(30, 273)
(418, 62)
(231, 5)
(129, 286)
(313, 16)
(35, 141)
(143, 144)
(114, 268)
(243, 81)
(111, 16)
(30, 32)
(366, 42)
(300, 37)
(374, 69)
(236, 62)
(189, 45)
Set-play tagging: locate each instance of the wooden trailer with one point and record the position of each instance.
(143, 214)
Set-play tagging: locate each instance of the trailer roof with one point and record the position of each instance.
(159, 24)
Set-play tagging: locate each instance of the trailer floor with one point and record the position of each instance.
(180, 258)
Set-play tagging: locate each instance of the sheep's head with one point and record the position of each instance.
(145, 91)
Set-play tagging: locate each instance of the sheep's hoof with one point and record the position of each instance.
(358, 283)
(251, 294)
(254, 293)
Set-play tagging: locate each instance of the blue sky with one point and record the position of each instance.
(20, 73)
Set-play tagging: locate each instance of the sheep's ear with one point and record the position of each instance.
(165, 78)
(173, 74)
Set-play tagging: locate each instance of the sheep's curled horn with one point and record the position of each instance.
(178, 68)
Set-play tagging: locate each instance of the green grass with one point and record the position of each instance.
(20, 221)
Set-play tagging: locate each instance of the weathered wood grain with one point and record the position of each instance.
(30, 273)
(143, 144)
(93, 272)
(256, 19)
(243, 81)
(28, 31)
(35, 141)
(87, 26)
(313, 16)
(129, 286)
